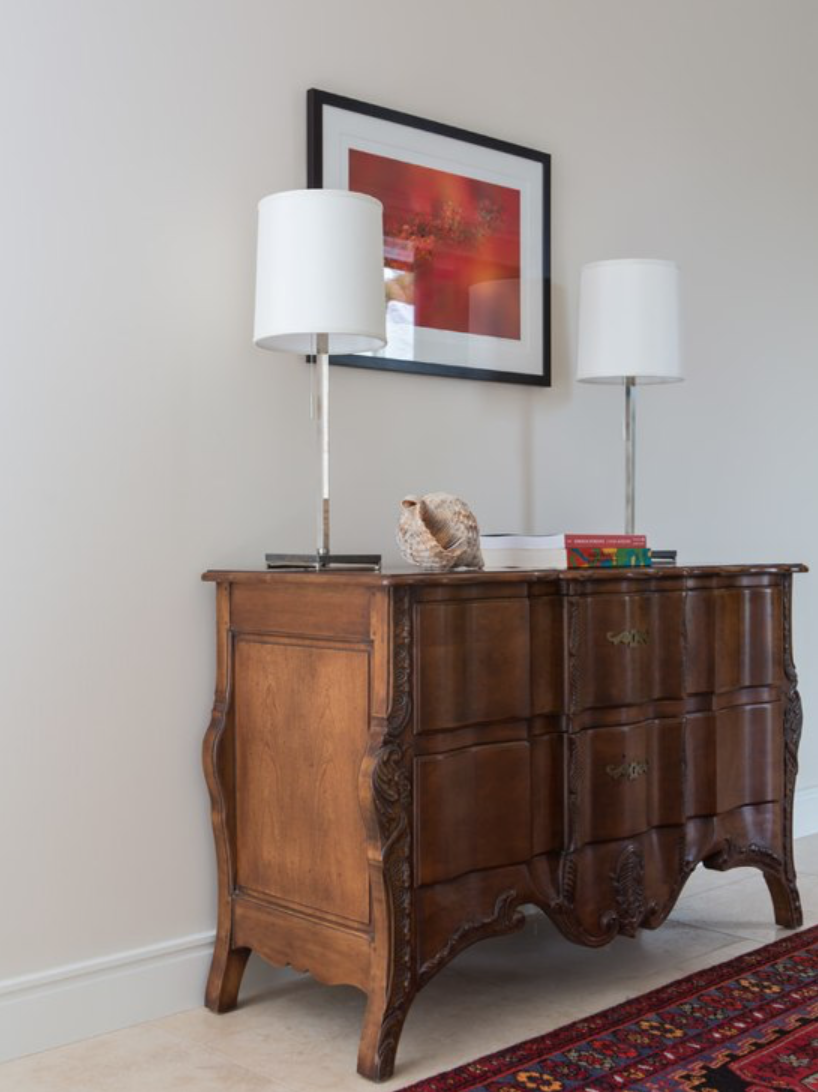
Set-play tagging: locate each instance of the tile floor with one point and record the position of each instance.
(302, 1037)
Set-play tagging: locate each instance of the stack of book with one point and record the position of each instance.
(565, 551)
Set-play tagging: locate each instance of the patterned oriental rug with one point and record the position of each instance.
(744, 1026)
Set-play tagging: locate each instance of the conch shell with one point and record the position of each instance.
(439, 532)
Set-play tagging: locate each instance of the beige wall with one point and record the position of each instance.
(143, 438)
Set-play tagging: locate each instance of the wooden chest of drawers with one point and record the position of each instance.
(397, 763)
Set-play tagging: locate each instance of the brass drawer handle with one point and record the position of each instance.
(629, 770)
(629, 637)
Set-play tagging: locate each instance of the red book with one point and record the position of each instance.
(616, 542)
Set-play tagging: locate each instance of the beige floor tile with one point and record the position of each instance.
(302, 1030)
(139, 1059)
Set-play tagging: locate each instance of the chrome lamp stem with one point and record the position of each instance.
(322, 558)
(630, 454)
(322, 423)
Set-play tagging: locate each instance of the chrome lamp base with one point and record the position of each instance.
(320, 561)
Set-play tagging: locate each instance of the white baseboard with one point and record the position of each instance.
(50, 1009)
(81, 1000)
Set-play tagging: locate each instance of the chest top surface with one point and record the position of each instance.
(405, 576)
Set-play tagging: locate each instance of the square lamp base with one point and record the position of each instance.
(320, 562)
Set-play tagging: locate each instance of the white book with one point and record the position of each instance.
(525, 558)
(561, 541)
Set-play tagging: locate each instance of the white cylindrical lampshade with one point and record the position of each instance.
(629, 322)
(320, 271)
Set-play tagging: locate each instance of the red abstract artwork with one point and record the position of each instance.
(452, 244)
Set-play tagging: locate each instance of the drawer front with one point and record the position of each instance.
(735, 639)
(734, 757)
(626, 780)
(473, 810)
(626, 649)
(473, 663)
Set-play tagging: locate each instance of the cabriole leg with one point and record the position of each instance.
(380, 1036)
(226, 973)
(786, 902)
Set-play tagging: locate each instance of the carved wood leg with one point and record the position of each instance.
(782, 887)
(228, 963)
(386, 800)
(218, 760)
(380, 1036)
(779, 875)
(786, 901)
(226, 973)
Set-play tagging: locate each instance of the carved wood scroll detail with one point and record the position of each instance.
(793, 722)
(505, 918)
(575, 640)
(734, 855)
(563, 911)
(629, 891)
(392, 797)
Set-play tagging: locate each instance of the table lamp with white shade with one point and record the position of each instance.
(320, 290)
(629, 333)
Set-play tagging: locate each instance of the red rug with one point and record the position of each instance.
(744, 1026)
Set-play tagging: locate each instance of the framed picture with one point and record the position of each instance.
(466, 239)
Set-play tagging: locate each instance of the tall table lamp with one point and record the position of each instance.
(629, 333)
(320, 290)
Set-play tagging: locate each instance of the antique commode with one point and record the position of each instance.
(397, 763)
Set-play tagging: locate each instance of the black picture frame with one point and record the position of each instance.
(332, 121)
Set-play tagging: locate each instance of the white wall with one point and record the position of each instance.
(143, 439)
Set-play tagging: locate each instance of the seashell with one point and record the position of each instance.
(439, 532)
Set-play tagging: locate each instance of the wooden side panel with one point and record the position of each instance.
(628, 780)
(736, 757)
(330, 954)
(301, 714)
(473, 662)
(626, 649)
(735, 639)
(473, 810)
